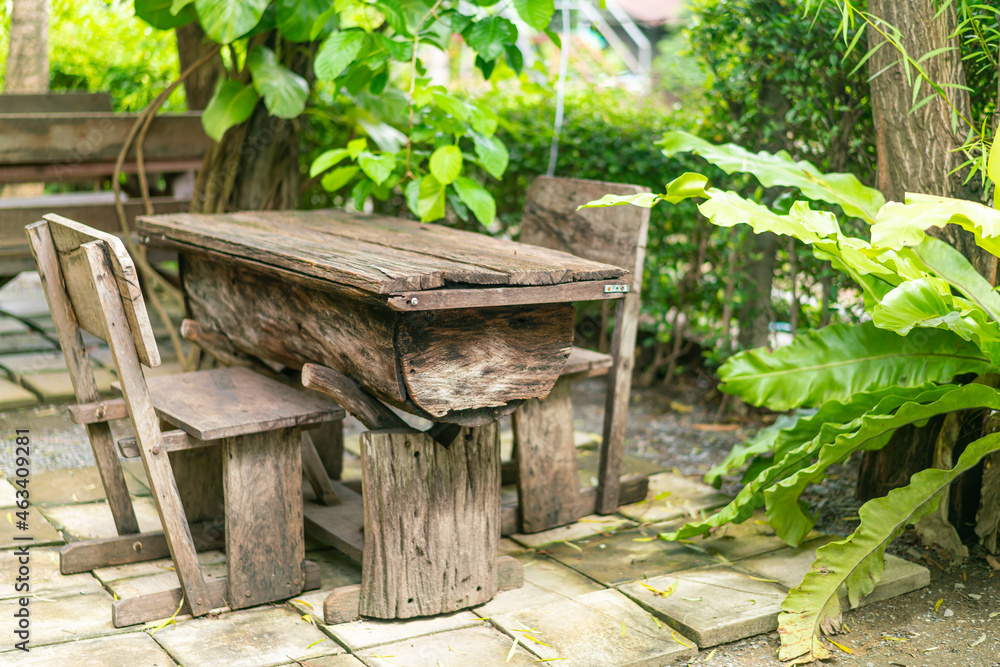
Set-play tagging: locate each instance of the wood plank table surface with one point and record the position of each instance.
(456, 327)
(449, 325)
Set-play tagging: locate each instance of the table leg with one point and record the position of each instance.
(265, 547)
(432, 521)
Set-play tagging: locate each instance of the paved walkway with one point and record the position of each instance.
(604, 591)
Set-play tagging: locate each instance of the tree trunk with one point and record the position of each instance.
(192, 44)
(916, 153)
(28, 56)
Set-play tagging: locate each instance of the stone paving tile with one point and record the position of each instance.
(587, 462)
(899, 577)
(28, 341)
(250, 638)
(14, 396)
(342, 660)
(785, 566)
(28, 307)
(366, 633)
(45, 579)
(628, 555)
(585, 527)
(743, 540)
(686, 498)
(469, 647)
(94, 520)
(108, 575)
(599, 628)
(544, 580)
(57, 387)
(136, 649)
(38, 528)
(19, 365)
(66, 617)
(74, 485)
(711, 606)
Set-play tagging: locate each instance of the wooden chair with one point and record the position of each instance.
(91, 285)
(548, 482)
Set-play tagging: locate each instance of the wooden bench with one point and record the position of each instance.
(73, 138)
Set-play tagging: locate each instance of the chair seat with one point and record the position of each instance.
(582, 360)
(226, 402)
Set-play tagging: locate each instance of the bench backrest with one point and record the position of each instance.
(54, 102)
(614, 235)
(76, 248)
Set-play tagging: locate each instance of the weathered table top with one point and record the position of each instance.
(387, 256)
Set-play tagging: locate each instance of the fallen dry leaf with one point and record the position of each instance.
(715, 427)
(994, 563)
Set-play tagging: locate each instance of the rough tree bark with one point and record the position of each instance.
(28, 54)
(916, 153)
(192, 44)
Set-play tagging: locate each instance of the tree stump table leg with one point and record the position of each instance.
(432, 521)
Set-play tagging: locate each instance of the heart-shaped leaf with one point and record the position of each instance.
(284, 92)
(490, 36)
(226, 20)
(477, 198)
(232, 104)
(162, 13)
(338, 51)
(446, 164)
(536, 13)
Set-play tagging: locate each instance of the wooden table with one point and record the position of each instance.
(452, 326)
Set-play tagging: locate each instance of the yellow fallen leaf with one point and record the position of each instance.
(710, 655)
(840, 646)
(680, 407)
(513, 648)
(643, 539)
(692, 599)
(678, 639)
(623, 628)
(661, 496)
(303, 602)
(937, 605)
(316, 642)
(770, 581)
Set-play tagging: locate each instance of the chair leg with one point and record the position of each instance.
(616, 403)
(548, 483)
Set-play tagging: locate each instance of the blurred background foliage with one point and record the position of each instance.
(754, 72)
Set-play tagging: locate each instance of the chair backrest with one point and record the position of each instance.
(613, 235)
(76, 248)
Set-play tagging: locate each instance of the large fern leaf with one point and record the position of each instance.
(840, 360)
(813, 608)
(856, 199)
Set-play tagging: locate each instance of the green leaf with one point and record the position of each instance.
(377, 167)
(284, 92)
(178, 5)
(993, 165)
(791, 521)
(450, 104)
(296, 18)
(780, 169)
(161, 13)
(226, 20)
(338, 178)
(412, 194)
(327, 159)
(492, 154)
(789, 431)
(337, 52)
(949, 264)
(839, 360)
(477, 198)
(356, 146)
(490, 36)
(446, 164)
(683, 187)
(901, 225)
(813, 607)
(536, 13)
(430, 201)
(232, 104)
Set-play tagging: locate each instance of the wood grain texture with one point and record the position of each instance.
(74, 137)
(365, 408)
(47, 103)
(495, 355)
(69, 237)
(94, 209)
(294, 324)
(378, 254)
(81, 375)
(198, 473)
(173, 441)
(616, 400)
(487, 297)
(225, 402)
(222, 350)
(98, 411)
(614, 235)
(632, 489)
(312, 466)
(548, 484)
(432, 522)
(162, 604)
(147, 430)
(265, 546)
(87, 555)
(582, 360)
(341, 527)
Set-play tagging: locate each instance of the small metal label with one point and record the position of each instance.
(611, 289)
